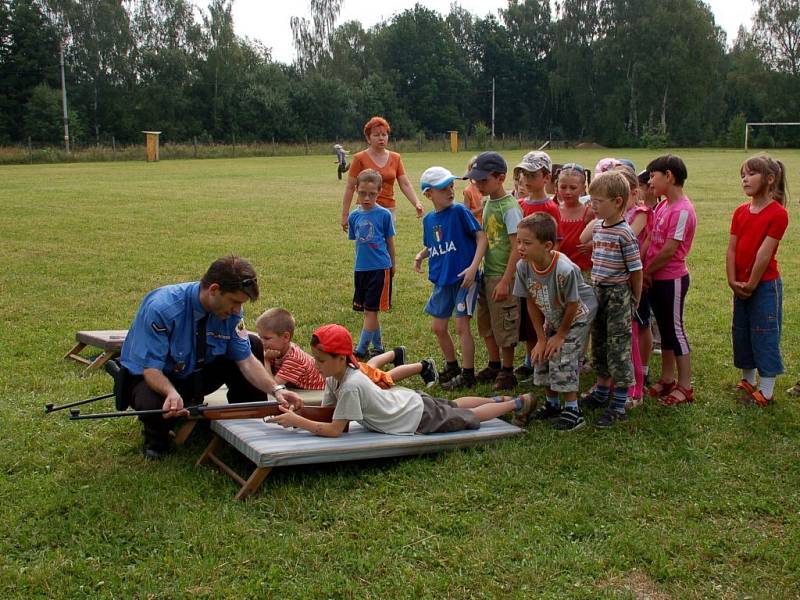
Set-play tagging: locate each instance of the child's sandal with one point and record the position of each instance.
(661, 388)
(671, 399)
(760, 399)
(746, 387)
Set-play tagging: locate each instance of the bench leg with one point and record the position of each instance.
(100, 360)
(209, 451)
(73, 354)
(252, 484)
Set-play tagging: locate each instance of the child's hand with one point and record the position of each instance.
(585, 247)
(288, 419)
(742, 290)
(418, 264)
(469, 277)
(553, 346)
(537, 354)
(271, 354)
(647, 280)
(500, 292)
(419, 208)
(345, 225)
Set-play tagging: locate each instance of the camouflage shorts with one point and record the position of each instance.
(561, 372)
(611, 335)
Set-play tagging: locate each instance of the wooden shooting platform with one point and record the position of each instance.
(108, 340)
(270, 445)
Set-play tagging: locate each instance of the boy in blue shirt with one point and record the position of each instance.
(372, 228)
(454, 246)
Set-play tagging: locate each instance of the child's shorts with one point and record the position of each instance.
(377, 376)
(446, 298)
(373, 290)
(756, 329)
(527, 332)
(498, 319)
(561, 372)
(440, 416)
(642, 314)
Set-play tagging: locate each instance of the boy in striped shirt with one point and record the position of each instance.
(617, 282)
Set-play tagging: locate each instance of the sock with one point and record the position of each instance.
(452, 365)
(749, 375)
(602, 392)
(553, 400)
(620, 398)
(494, 364)
(645, 370)
(767, 386)
(377, 342)
(573, 404)
(363, 342)
(507, 369)
(528, 362)
(518, 403)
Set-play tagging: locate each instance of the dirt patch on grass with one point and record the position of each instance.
(639, 584)
(589, 146)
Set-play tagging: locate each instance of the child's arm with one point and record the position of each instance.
(635, 282)
(586, 234)
(763, 256)
(347, 200)
(660, 259)
(556, 341)
(639, 221)
(537, 318)
(421, 255)
(469, 273)
(268, 367)
(502, 289)
(730, 266)
(390, 248)
(290, 418)
(408, 192)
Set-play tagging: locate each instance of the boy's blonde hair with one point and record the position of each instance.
(611, 184)
(276, 320)
(371, 176)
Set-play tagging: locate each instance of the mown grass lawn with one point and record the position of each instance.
(694, 501)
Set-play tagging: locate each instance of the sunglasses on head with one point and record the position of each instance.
(573, 167)
(248, 282)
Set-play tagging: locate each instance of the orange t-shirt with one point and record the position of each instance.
(475, 201)
(390, 171)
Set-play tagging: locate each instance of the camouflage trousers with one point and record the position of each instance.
(561, 372)
(611, 335)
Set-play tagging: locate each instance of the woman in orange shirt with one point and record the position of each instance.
(388, 164)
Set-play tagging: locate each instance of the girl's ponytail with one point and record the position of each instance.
(779, 191)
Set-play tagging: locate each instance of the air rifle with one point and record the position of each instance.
(241, 410)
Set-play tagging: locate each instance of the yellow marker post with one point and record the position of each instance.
(151, 137)
(453, 141)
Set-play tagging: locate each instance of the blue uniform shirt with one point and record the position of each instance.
(162, 335)
(370, 229)
(449, 236)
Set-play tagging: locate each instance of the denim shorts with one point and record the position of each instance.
(446, 298)
(757, 329)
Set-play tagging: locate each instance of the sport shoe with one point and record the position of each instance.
(505, 380)
(429, 374)
(523, 371)
(360, 356)
(448, 373)
(794, 390)
(569, 420)
(610, 417)
(523, 415)
(486, 375)
(399, 356)
(373, 352)
(592, 401)
(546, 412)
(459, 382)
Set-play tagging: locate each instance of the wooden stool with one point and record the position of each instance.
(108, 340)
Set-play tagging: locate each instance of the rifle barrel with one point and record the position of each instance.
(48, 408)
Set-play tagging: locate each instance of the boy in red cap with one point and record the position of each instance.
(398, 411)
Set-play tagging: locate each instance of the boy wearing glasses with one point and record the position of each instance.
(184, 343)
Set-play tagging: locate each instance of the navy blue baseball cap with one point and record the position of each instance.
(486, 164)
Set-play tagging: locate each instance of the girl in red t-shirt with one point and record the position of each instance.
(574, 216)
(756, 229)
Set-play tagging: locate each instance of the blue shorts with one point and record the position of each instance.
(642, 314)
(757, 329)
(444, 299)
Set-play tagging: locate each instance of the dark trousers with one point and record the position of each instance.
(221, 371)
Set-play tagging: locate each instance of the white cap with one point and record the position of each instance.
(437, 178)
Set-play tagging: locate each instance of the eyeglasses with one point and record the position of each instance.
(573, 167)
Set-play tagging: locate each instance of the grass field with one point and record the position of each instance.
(690, 502)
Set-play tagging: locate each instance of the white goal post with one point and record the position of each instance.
(747, 127)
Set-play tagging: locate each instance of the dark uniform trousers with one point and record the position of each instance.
(220, 371)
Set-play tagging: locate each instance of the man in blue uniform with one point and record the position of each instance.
(185, 343)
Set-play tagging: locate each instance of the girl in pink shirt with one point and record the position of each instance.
(667, 277)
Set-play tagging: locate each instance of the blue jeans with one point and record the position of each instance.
(757, 329)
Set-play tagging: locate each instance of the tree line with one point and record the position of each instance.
(617, 72)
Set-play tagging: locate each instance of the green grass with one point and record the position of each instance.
(695, 501)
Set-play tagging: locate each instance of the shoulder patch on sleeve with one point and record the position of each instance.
(158, 329)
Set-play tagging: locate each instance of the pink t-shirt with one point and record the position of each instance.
(673, 221)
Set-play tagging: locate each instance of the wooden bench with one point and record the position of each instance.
(108, 340)
(270, 445)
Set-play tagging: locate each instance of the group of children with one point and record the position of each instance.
(556, 272)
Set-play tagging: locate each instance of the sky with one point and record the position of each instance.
(268, 20)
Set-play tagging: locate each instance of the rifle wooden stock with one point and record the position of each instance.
(242, 410)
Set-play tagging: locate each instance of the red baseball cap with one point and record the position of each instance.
(336, 339)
